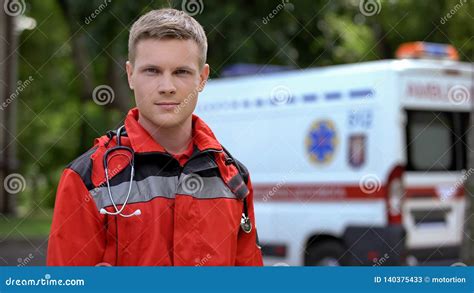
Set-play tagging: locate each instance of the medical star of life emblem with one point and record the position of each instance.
(321, 141)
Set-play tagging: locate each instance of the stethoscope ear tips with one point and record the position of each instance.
(137, 212)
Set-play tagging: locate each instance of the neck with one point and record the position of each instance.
(174, 139)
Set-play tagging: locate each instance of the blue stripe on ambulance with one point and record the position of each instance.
(305, 98)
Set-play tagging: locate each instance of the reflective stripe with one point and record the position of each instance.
(142, 191)
(167, 187)
(204, 187)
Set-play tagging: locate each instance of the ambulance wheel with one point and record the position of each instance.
(326, 253)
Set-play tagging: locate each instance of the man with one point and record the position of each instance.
(161, 190)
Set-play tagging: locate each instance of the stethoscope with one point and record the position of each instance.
(119, 146)
(245, 223)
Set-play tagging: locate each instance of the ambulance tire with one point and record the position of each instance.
(326, 253)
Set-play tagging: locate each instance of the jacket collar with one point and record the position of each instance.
(142, 142)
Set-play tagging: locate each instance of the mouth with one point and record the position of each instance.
(167, 105)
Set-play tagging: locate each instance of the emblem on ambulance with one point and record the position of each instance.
(321, 141)
(357, 150)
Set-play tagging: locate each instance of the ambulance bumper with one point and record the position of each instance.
(376, 246)
(435, 256)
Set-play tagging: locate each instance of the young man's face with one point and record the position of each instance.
(166, 80)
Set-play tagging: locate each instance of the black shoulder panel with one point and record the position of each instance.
(83, 166)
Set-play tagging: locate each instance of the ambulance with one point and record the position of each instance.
(359, 164)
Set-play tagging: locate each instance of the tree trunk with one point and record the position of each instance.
(8, 78)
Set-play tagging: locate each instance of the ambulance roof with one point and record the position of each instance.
(364, 67)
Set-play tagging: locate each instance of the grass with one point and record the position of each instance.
(34, 225)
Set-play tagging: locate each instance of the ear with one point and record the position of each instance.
(129, 68)
(204, 75)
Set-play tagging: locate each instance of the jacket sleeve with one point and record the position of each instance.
(77, 236)
(248, 251)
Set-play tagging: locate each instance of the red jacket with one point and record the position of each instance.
(190, 215)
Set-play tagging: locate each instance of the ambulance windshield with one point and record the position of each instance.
(436, 141)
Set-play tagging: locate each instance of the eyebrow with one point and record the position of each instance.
(182, 67)
(149, 66)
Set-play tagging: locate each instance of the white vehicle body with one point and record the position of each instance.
(346, 156)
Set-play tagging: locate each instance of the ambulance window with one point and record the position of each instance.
(433, 141)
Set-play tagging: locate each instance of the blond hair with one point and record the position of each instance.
(167, 24)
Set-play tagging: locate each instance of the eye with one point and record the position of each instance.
(150, 70)
(182, 72)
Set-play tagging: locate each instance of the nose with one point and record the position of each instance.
(166, 86)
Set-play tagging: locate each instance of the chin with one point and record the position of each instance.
(168, 120)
